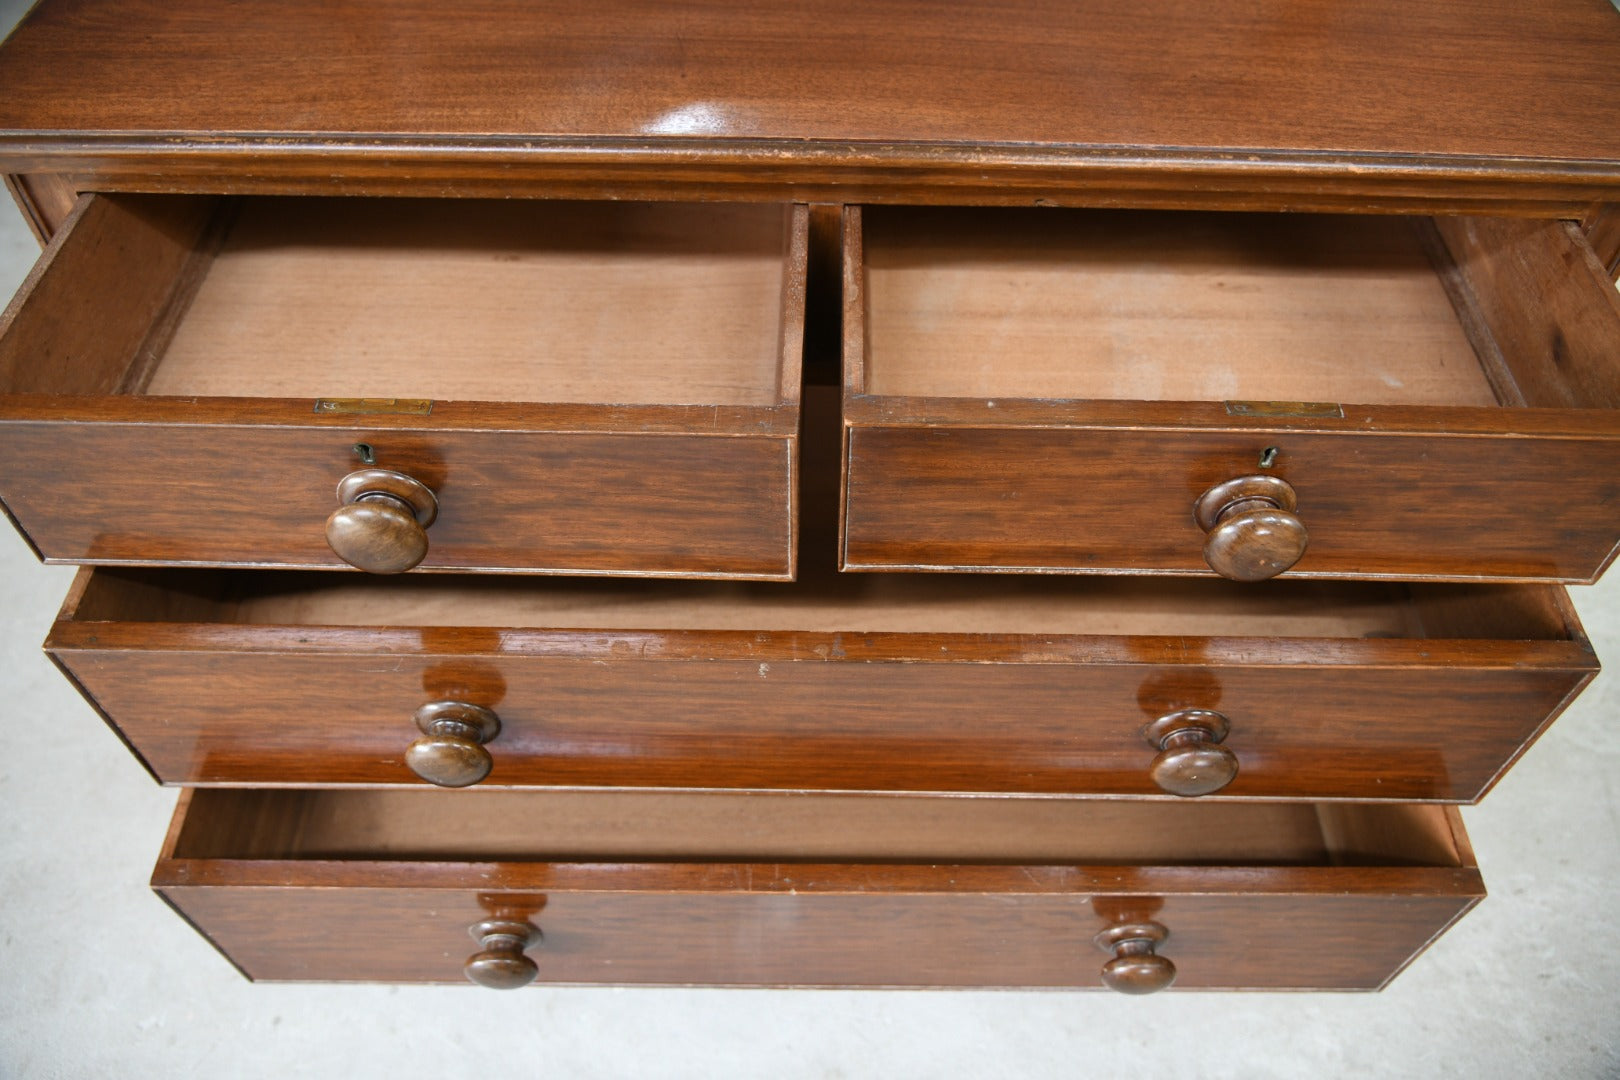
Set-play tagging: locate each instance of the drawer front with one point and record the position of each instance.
(602, 502)
(1199, 394)
(814, 925)
(556, 388)
(1120, 497)
(795, 889)
(1354, 718)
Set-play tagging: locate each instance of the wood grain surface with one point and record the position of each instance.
(520, 300)
(1538, 301)
(1159, 306)
(985, 939)
(45, 200)
(1118, 498)
(1005, 686)
(1602, 228)
(84, 316)
(540, 501)
(654, 477)
(786, 923)
(616, 825)
(1285, 103)
(904, 684)
(948, 467)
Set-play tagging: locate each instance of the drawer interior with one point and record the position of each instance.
(828, 602)
(514, 300)
(1193, 306)
(576, 826)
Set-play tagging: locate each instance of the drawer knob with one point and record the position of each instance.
(1253, 533)
(1136, 968)
(451, 751)
(500, 964)
(1191, 760)
(380, 525)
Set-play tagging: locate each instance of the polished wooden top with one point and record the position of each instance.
(1507, 99)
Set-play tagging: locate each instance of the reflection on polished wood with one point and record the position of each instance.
(1275, 106)
(631, 231)
(842, 682)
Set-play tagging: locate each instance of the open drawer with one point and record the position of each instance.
(603, 388)
(795, 890)
(1189, 393)
(1137, 686)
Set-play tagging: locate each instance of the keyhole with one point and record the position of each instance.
(365, 453)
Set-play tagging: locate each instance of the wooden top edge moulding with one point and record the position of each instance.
(1406, 98)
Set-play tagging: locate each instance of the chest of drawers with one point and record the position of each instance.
(1085, 315)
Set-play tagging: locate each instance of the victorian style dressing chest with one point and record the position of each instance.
(1037, 495)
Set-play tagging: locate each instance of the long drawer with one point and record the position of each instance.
(796, 890)
(1247, 395)
(1134, 686)
(601, 388)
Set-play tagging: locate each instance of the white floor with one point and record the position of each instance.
(99, 979)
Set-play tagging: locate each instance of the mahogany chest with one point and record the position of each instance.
(885, 496)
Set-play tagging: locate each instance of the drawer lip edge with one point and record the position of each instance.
(779, 421)
(745, 646)
(900, 566)
(882, 412)
(823, 161)
(834, 878)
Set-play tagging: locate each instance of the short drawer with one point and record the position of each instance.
(796, 890)
(602, 388)
(1196, 393)
(842, 682)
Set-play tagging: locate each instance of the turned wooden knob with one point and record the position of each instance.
(451, 751)
(1191, 760)
(1136, 968)
(1253, 533)
(500, 964)
(380, 525)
